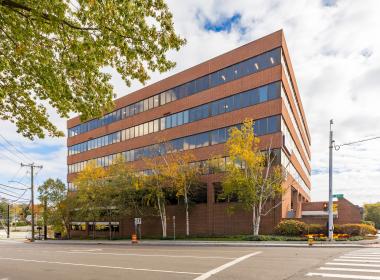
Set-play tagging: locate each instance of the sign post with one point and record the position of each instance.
(138, 227)
(173, 227)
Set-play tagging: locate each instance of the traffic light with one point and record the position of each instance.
(325, 206)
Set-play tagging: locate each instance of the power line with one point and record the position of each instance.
(18, 170)
(8, 157)
(9, 194)
(5, 147)
(11, 187)
(20, 152)
(337, 147)
(4, 189)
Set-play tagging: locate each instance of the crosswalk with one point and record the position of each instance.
(361, 264)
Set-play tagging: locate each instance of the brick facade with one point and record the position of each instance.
(212, 218)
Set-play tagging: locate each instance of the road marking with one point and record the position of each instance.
(346, 276)
(103, 266)
(86, 250)
(349, 269)
(355, 257)
(351, 260)
(148, 255)
(225, 266)
(354, 264)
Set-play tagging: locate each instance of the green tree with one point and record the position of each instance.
(58, 205)
(251, 176)
(55, 52)
(372, 213)
(120, 192)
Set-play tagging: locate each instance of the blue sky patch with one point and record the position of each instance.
(224, 24)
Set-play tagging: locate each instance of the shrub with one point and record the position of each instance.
(291, 228)
(316, 229)
(355, 229)
(368, 223)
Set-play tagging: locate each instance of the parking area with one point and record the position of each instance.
(20, 260)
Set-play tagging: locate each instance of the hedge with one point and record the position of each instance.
(298, 228)
(290, 228)
(355, 229)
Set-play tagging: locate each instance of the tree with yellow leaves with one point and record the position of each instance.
(251, 175)
(90, 192)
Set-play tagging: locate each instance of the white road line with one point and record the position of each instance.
(102, 266)
(225, 266)
(349, 269)
(86, 250)
(366, 258)
(346, 276)
(354, 264)
(147, 255)
(351, 260)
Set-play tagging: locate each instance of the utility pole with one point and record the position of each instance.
(8, 220)
(32, 166)
(331, 217)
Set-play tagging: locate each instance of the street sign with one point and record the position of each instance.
(137, 221)
(339, 195)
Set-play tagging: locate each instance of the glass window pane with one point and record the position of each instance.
(156, 101)
(146, 104)
(156, 125)
(163, 124)
(186, 116)
(162, 98)
(131, 132)
(180, 118)
(136, 128)
(141, 130)
(263, 94)
(274, 91)
(150, 100)
(168, 122)
(146, 128)
(174, 120)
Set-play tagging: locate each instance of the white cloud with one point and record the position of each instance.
(335, 51)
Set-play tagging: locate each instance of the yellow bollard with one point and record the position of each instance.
(310, 240)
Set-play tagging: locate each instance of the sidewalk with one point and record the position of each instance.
(338, 244)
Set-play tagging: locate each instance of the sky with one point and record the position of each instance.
(335, 52)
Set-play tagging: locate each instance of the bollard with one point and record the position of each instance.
(134, 239)
(310, 240)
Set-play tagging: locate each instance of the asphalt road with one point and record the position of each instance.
(19, 260)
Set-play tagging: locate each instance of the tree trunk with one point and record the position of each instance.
(162, 210)
(255, 221)
(187, 215)
(109, 226)
(93, 229)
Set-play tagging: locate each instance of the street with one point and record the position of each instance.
(19, 260)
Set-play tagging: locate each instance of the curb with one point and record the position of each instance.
(203, 244)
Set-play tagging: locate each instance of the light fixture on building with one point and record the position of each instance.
(271, 60)
(257, 66)
(223, 78)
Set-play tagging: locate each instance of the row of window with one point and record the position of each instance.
(293, 172)
(292, 147)
(293, 120)
(263, 126)
(228, 104)
(290, 82)
(236, 71)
